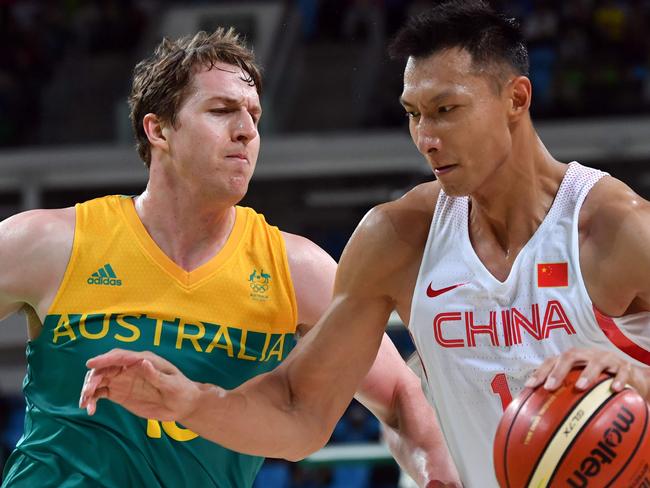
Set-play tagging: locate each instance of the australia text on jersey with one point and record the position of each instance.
(202, 337)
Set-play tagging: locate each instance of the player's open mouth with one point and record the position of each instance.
(444, 169)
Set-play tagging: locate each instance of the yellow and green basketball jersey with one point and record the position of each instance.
(223, 323)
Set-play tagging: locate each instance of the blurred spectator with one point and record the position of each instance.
(356, 426)
(12, 418)
(5, 412)
(111, 26)
(364, 19)
(540, 29)
(588, 57)
(540, 26)
(275, 473)
(609, 23)
(36, 36)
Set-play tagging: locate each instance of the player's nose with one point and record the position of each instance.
(427, 137)
(245, 128)
(428, 143)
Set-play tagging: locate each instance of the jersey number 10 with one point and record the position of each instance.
(171, 429)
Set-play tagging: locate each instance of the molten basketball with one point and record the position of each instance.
(574, 438)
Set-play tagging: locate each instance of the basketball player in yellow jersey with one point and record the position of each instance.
(184, 271)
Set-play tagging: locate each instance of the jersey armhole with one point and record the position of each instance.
(596, 177)
(71, 261)
(287, 272)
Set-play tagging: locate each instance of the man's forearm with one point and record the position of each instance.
(289, 412)
(424, 465)
(417, 443)
(273, 428)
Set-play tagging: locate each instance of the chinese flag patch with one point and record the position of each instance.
(552, 274)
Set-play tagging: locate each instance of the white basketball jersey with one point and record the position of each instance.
(479, 338)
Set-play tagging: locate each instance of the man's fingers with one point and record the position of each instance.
(540, 375)
(560, 370)
(91, 381)
(91, 401)
(115, 357)
(553, 371)
(151, 374)
(589, 374)
(91, 406)
(123, 359)
(96, 378)
(622, 377)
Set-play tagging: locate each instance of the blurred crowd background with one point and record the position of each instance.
(588, 57)
(65, 68)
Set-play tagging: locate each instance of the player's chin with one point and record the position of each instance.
(453, 189)
(240, 182)
(238, 186)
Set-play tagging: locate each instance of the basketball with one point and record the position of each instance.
(574, 438)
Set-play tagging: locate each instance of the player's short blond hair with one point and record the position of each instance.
(163, 81)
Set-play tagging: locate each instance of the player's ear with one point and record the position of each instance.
(519, 94)
(156, 131)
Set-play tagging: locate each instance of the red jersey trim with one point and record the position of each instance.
(616, 337)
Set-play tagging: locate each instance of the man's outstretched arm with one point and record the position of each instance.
(287, 413)
(152, 387)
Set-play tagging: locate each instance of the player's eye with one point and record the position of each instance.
(222, 110)
(445, 109)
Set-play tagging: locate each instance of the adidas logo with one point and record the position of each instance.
(104, 276)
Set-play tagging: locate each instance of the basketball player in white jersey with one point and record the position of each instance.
(509, 260)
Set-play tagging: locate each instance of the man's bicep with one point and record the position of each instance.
(312, 275)
(338, 352)
(14, 265)
(35, 247)
(636, 254)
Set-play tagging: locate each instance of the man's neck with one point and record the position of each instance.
(509, 208)
(190, 231)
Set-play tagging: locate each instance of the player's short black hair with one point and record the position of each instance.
(472, 25)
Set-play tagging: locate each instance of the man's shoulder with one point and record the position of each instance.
(614, 231)
(406, 220)
(304, 255)
(38, 236)
(39, 225)
(386, 248)
(34, 243)
(612, 205)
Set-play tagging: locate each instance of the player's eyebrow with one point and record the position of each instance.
(225, 99)
(432, 101)
(233, 102)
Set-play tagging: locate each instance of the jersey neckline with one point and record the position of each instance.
(549, 219)
(186, 279)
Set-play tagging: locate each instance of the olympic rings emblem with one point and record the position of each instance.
(259, 287)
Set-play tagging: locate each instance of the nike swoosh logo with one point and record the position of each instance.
(431, 293)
